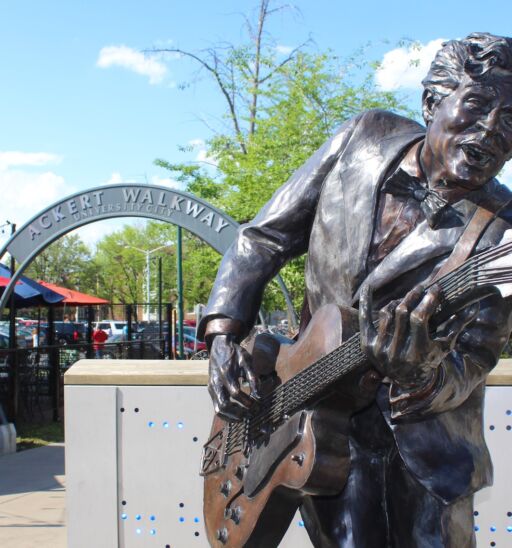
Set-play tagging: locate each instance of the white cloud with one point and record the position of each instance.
(405, 67)
(115, 179)
(202, 154)
(284, 50)
(166, 181)
(505, 176)
(92, 233)
(196, 143)
(16, 158)
(131, 59)
(24, 194)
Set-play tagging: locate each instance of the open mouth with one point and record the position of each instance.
(476, 155)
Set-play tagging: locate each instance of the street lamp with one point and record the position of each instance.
(148, 253)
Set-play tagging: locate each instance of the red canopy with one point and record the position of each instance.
(5, 281)
(72, 297)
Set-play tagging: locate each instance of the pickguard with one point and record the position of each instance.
(266, 457)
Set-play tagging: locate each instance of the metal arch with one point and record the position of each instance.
(125, 200)
(115, 195)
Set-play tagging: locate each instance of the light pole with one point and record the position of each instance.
(148, 253)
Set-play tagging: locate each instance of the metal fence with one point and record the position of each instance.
(31, 377)
(31, 380)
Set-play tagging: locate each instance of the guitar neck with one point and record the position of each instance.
(318, 377)
(469, 283)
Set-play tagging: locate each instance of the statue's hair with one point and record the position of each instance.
(476, 56)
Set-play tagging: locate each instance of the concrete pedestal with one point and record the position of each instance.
(134, 434)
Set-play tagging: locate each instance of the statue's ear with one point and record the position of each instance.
(429, 105)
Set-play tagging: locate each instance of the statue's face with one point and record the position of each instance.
(470, 136)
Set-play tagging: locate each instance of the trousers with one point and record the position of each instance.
(382, 505)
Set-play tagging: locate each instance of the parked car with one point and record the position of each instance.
(117, 347)
(4, 344)
(111, 327)
(26, 322)
(23, 338)
(150, 331)
(189, 341)
(65, 333)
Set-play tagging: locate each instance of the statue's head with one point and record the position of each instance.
(467, 106)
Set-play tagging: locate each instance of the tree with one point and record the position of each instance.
(278, 112)
(200, 262)
(67, 262)
(122, 265)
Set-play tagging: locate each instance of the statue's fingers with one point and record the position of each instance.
(455, 325)
(232, 412)
(252, 379)
(421, 314)
(222, 404)
(397, 343)
(228, 373)
(414, 296)
(232, 385)
(386, 322)
(232, 373)
(368, 332)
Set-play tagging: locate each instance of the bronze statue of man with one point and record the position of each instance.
(379, 209)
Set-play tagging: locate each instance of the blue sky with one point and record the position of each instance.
(80, 106)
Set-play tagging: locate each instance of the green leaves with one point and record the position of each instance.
(67, 263)
(121, 262)
(279, 110)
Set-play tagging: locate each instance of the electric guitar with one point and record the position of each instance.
(257, 470)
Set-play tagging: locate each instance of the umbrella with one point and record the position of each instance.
(27, 292)
(73, 297)
(4, 282)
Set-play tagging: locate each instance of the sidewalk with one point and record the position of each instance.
(32, 498)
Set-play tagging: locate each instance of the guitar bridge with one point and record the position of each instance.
(214, 453)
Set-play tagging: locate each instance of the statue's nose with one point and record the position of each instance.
(493, 134)
(489, 123)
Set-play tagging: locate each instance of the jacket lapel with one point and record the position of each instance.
(374, 160)
(421, 245)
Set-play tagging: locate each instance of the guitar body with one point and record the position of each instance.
(251, 495)
(296, 443)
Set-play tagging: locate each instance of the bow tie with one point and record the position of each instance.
(431, 203)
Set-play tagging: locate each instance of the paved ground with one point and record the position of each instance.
(32, 498)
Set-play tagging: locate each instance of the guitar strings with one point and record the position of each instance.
(269, 413)
(273, 403)
(270, 405)
(287, 397)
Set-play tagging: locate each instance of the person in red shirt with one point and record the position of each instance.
(98, 342)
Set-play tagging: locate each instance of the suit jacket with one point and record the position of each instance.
(328, 208)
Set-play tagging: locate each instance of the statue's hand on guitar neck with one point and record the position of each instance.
(400, 345)
(229, 365)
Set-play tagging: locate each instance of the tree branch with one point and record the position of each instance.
(214, 71)
(285, 61)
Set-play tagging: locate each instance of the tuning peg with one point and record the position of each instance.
(222, 535)
(225, 488)
(240, 471)
(235, 514)
(299, 458)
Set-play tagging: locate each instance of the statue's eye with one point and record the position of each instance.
(506, 120)
(475, 103)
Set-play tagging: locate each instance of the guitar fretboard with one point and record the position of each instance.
(312, 382)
